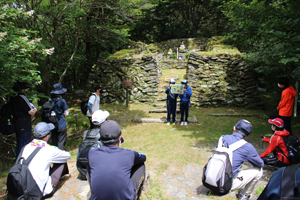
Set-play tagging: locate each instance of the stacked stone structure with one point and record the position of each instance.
(216, 80)
(223, 79)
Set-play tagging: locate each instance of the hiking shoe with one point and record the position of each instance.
(168, 123)
(181, 123)
(185, 123)
(173, 124)
(243, 197)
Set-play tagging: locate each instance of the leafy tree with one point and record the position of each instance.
(268, 31)
(18, 47)
(170, 19)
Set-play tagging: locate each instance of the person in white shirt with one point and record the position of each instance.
(94, 104)
(46, 177)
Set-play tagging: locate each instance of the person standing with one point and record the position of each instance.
(286, 104)
(171, 103)
(22, 111)
(59, 134)
(185, 103)
(94, 104)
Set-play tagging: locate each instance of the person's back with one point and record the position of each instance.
(41, 163)
(112, 165)
(114, 173)
(245, 153)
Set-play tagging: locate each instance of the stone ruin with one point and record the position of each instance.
(217, 80)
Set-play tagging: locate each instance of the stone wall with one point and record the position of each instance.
(222, 80)
(143, 71)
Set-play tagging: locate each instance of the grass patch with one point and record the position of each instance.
(259, 190)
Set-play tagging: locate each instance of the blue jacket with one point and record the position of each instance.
(60, 107)
(185, 97)
(245, 153)
(171, 97)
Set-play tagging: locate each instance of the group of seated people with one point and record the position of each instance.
(117, 173)
(112, 172)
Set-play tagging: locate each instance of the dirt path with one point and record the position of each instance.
(177, 183)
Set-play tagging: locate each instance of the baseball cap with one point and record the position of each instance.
(42, 129)
(110, 132)
(99, 117)
(184, 81)
(244, 126)
(277, 122)
(172, 81)
(97, 87)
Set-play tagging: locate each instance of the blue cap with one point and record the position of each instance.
(42, 129)
(244, 126)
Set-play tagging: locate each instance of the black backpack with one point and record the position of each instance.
(84, 105)
(293, 145)
(20, 183)
(90, 141)
(283, 185)
(49, 112)
(7, 125)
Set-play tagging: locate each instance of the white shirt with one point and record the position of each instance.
(40, 164)
(95, 101)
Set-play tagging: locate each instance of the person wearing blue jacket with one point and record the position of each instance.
(246, 178)
(171, 103)
(185, 102)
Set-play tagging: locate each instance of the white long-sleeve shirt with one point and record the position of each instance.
(40, 164)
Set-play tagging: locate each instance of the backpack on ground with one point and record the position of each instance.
(293, 145)
(84, 105)
(20, 183)
(49, 112)
(7, 125)
(283, 185)
(91, 141)
(217, 173)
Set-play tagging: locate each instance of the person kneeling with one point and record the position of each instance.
(114, 173)
(276, 145)
(46, 177)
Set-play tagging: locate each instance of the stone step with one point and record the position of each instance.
(161, 120)
(161, 111)
(163, 105)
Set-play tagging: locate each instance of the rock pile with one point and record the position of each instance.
(223, 79)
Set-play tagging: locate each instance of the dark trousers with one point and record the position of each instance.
(171, 110)
(59, 137)
(273, 161)
(23, 138)
(184, 109)
(287, 123)
(138, 175)
(91, 123)
(56, 172)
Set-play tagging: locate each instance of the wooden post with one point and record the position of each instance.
(296, 99)
(127, 97)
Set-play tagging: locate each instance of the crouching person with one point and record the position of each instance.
(114, 173)
(91, 139)
(244, 180)
(46, 177)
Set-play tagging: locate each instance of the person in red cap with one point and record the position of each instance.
(276, 145)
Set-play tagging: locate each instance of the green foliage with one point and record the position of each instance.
(18, 48)
(174, 55)
(268, 31)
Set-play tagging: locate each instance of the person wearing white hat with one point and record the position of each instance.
(171, 103)
(185, 103)
(45, 176)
